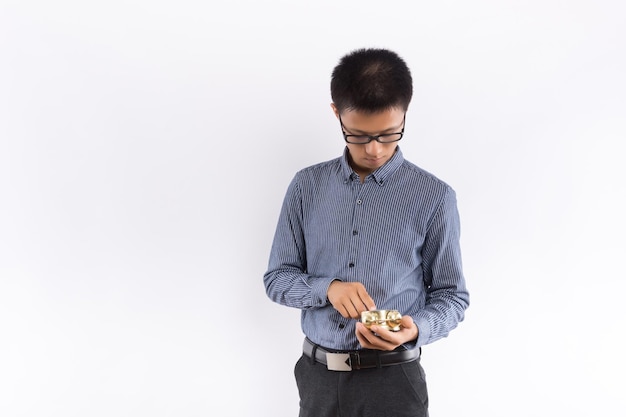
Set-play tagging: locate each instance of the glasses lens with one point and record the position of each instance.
(357, 139)
(362, 139)
(390, 138)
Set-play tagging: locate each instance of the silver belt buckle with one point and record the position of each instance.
(338, 361)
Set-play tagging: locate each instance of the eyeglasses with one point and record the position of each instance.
(363, 139)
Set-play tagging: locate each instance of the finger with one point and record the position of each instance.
(363, 342)
(383, 339)
(343, 311)
(350, 309)
(368, 334)
(383, 333)
(356, 308)
(362, 334)
(367, 301)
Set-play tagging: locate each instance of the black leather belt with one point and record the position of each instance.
(358, 359)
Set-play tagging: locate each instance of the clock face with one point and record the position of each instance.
(388, 319)
(393, 319)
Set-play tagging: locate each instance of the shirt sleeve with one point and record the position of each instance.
(286, 280)
(447, 297)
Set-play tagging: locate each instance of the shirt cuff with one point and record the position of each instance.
(319, 291)
(423, 328)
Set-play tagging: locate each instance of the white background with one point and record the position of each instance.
(145, 148)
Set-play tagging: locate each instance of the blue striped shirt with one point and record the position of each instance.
(397, 233)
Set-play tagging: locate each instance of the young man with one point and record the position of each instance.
(368, 231)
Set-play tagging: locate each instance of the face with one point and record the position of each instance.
(366, 158)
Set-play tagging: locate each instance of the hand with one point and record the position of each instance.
(379, 338)
(350, 298)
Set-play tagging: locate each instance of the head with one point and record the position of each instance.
(371, 91)
(370, 81)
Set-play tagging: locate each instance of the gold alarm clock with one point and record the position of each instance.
(388, 319)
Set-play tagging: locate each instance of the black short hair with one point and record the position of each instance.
(371, 80)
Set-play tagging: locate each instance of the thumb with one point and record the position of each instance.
(407, 322)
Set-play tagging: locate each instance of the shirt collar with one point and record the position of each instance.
(381, 174)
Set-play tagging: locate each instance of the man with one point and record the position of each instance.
(368, 231)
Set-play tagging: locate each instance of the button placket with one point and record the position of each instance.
(356, 225)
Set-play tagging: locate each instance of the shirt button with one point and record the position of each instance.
(341, 326)
(359, 201)
(355, 232)
(351, 264)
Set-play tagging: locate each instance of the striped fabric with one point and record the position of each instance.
(397, 233)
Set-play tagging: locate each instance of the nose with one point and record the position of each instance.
(373, 148)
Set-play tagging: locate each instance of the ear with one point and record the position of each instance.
(335, 110)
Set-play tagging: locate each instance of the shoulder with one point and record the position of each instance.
(318, 171)
(422, 178)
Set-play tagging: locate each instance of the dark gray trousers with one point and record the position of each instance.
(390, 391)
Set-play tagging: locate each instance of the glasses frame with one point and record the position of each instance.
(347, 136)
